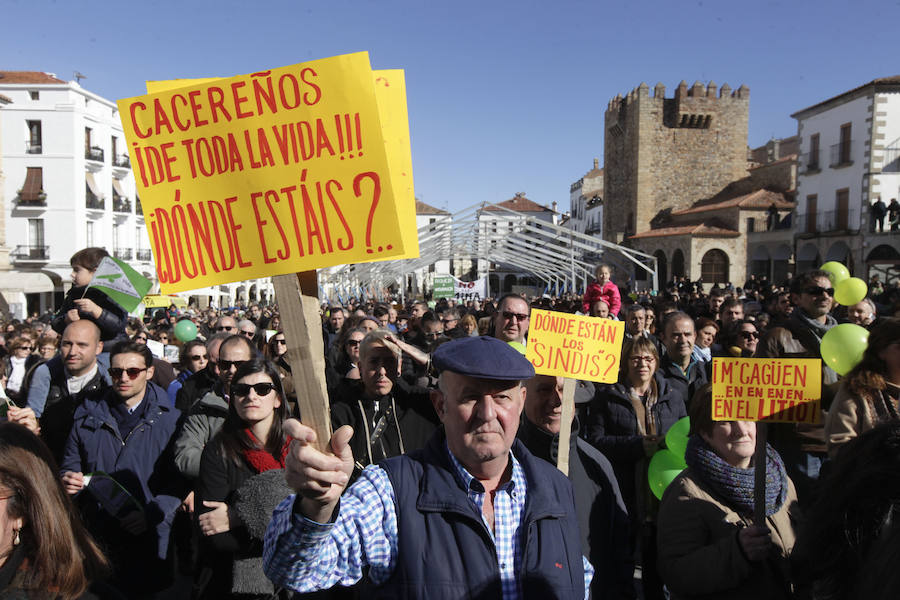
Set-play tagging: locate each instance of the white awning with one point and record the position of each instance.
(92, 185)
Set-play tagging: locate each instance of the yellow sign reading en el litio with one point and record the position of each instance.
(775, 390)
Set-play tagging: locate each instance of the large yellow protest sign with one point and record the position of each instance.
(775, 390)
(390, 94)
(274, 172)
(575, 346)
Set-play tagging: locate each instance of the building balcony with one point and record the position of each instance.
(138, 209)
(32, 148)
(94, 153)
(810, 163)
(93, 202)
(841, 155)
(30, 254)
(122, 253)
(143, 255)
(832, 221)
(121, 205)
(891, 160)
(122, 161)
(34, 201)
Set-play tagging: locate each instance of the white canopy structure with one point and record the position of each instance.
(492, 235)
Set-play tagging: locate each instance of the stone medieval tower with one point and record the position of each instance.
(663, 154)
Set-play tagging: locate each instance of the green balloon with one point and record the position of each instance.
(677, 436)
(664, 467)
(185, 330)
(850, 291)
(843, 346)
(836, 271)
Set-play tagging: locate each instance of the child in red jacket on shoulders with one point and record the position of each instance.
(603, 289)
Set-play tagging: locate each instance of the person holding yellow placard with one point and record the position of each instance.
(709, 546)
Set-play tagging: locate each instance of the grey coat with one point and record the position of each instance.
(201, 424)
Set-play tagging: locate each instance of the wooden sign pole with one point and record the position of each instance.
(565, 425)
(759, 487)
(298, 303)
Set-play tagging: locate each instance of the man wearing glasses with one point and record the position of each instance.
(207, 414)
(802, 447)
(247, 328)
(226, 325)
(117, 461)
(511, 320)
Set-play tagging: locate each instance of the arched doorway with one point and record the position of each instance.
(678, 263)
(884, 261)
(808, 258)
(759, 263)
(840, 252)
(662, 268)
(714, 267)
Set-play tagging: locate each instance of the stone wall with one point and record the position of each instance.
(666, 153)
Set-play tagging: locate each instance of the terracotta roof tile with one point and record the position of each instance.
(427, 209)
(520, 204)
(758, 200)
(695, 230)
(8, 77)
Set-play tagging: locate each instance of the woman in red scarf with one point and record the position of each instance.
(241, 481)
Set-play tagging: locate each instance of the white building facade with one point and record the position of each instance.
(849, 158)
(68, 185)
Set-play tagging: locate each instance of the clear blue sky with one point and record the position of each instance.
(504, 96)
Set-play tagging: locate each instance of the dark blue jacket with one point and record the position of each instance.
(612, 428)
(142, 463)
(444, 549)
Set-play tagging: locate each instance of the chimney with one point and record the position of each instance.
(553, 205)
(596, 163)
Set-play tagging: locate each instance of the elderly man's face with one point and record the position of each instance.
(480, 416)
(860, 313)
(543, 402)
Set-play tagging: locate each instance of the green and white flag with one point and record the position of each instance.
(120, 282)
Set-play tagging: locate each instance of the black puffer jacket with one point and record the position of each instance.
(612, 428)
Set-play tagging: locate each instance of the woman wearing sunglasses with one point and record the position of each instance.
(241, 482)
(194, 358)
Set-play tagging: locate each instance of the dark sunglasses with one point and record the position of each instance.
(749, 335)
(243, 389)
(199, 357)
(354, 343)
(133, 372)
(509, 316)
(817, 290)
(225, 365)
(225, 328)
(281, 342)
(249, 334)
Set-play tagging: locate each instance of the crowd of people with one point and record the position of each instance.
(194, 476)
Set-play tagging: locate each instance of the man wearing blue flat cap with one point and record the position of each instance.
(471, 515)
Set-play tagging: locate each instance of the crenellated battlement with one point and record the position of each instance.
(697, 99)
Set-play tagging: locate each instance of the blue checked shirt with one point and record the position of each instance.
(304, 556)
